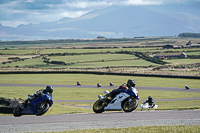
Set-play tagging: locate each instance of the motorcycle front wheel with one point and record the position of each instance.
(99, 106)
(129, 105)
(41, 108)
(17, 112)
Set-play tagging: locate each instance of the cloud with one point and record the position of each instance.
(14, 12)
(91, 4)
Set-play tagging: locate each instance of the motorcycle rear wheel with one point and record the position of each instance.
(17, 112)
(41, 108)
(129, 106)
(99, 106)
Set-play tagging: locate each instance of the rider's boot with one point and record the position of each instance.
(23, 105)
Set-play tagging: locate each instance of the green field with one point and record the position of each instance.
(49, 51)
(183, 61)
(102, 57)
(193, 53)
(91, 94)
(19, 51)
(92, 79)
(5, 58)
(93, 57)
(189, 51)
(119, 57)
(133, 63)
(32, 62)
(84, 61)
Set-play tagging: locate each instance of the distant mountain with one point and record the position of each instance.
(111, 22)
(5, 29)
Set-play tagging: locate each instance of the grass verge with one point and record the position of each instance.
(91, 79)
(144, 129)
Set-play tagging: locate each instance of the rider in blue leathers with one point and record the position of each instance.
(49, 90)
(122, 88)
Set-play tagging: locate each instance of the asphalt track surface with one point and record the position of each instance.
(66, 122)
(120, 119)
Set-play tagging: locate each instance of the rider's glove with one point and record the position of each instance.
(38, 93)
(30, 97)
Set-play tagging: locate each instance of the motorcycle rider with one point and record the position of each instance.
(111, 84)
(150, 101)
(130, 83)
(48, 90)
(123, 88)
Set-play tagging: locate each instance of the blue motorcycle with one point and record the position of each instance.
(37, 106)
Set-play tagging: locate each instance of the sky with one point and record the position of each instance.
(16, 12)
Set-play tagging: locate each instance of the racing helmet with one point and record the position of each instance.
(150, 98)
(49, 89)
(130, 83)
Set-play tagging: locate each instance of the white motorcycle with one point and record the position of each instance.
(147, 106)
(125, 99)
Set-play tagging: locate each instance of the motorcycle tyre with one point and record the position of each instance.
(100, 110)
(131, 109)
(44, 110)
(17, 112)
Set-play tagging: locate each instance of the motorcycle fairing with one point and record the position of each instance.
(115, 104)
(30, 109)
(133, 92)
(147, 106)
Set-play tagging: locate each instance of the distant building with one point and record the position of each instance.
(170, 55)
(194, 45)
(167, 46)
(172, 47)
(177, 47)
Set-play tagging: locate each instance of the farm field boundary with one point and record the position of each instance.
(100, 73)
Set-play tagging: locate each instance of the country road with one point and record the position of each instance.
(106, 87)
